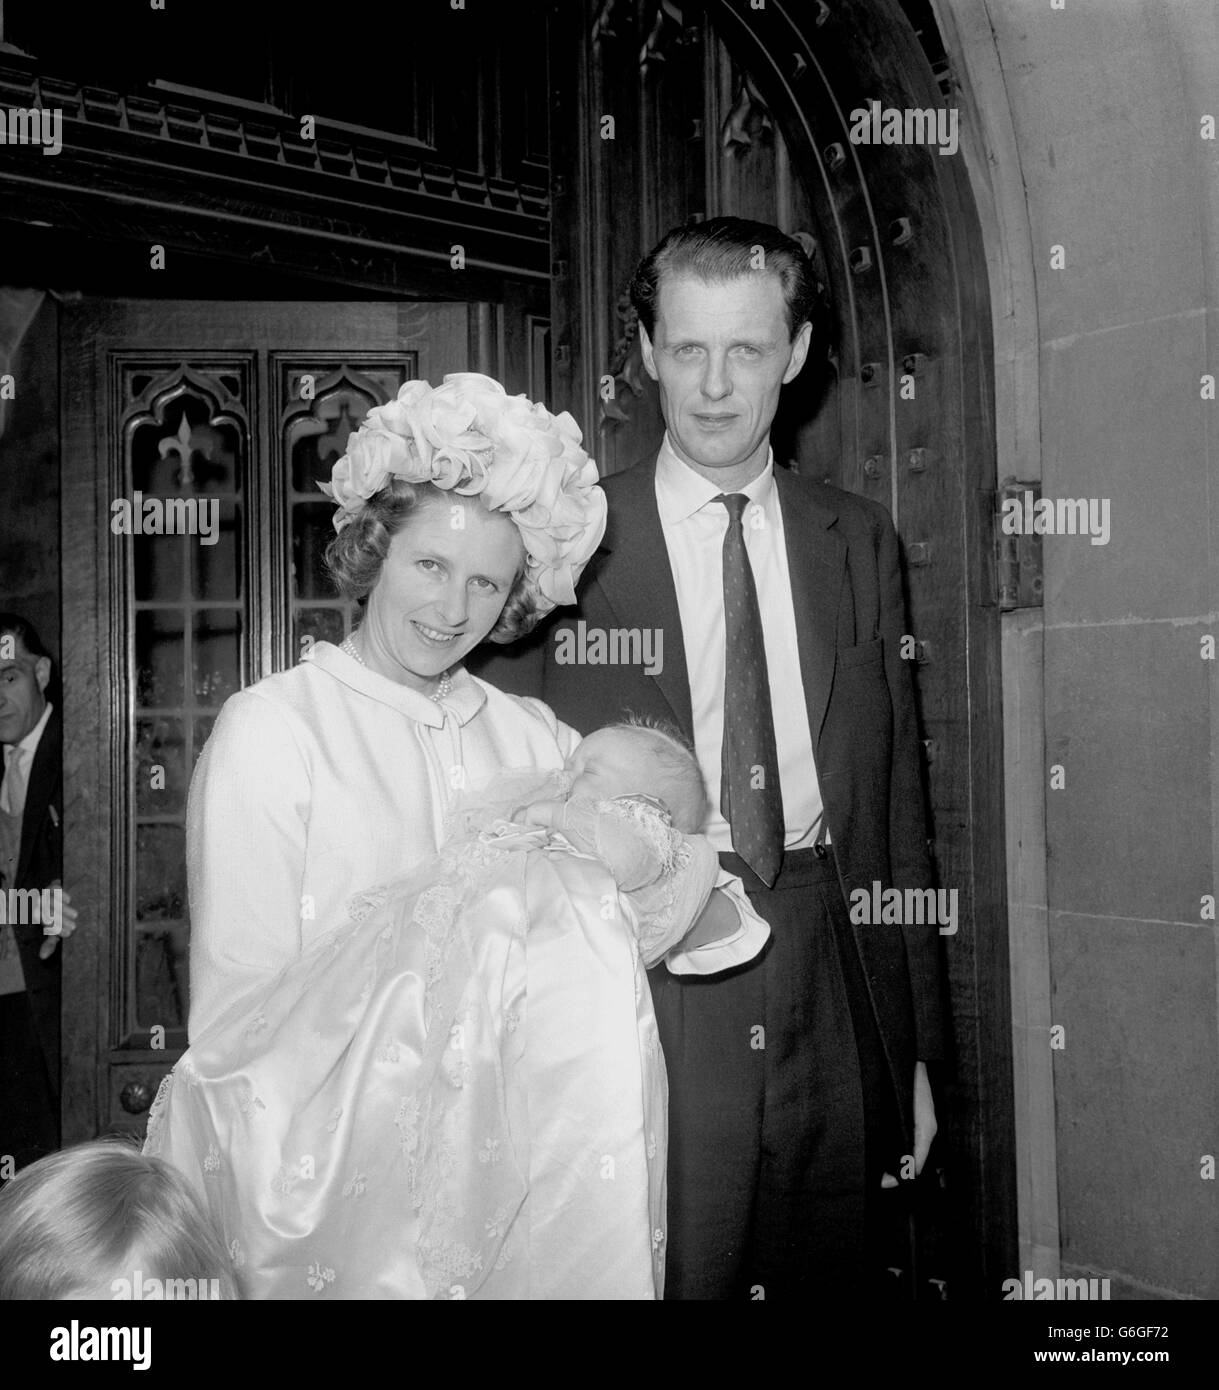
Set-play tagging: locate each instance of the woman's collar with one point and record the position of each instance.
(463, 701)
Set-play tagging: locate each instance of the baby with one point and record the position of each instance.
(635, 758)
(630, 786)
(460, 1092)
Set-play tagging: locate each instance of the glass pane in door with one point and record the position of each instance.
(324, 403)
(186, 463)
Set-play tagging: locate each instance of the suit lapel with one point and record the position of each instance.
(638, 581)
(39, 789)
(816, 564)
(638, 584)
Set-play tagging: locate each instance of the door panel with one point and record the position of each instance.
(735, 108)
(219, 419)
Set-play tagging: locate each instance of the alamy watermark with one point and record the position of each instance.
(1030, 1287)
(37, 907)
(891, 125)
(166, 516)
(614, 646)
(139, 1289)
(1029, 515)
(77, 1342)
(908, 907)
(32, 126)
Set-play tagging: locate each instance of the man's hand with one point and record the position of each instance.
(924, 1123)
(66, 924)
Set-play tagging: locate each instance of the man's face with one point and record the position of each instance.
(721, 354)
(23, 678)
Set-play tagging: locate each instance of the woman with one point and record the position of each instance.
(330, 777)
(463, 515)
(458, 1092)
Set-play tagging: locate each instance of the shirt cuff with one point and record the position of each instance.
(742, 945)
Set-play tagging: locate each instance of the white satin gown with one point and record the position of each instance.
(460, 1092)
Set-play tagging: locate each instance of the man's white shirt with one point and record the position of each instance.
(694, 526)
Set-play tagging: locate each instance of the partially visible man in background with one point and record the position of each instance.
(31, 858)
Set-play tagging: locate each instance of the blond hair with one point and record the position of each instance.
(76, 1220)
(679, 779)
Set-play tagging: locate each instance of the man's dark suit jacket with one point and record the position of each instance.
(41, 862)
(842, 556)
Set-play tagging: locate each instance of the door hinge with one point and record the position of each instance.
(1018, 572)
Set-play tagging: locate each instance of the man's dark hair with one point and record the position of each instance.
(15, 625)
(726, 248)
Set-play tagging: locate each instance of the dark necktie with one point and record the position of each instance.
(751, 799)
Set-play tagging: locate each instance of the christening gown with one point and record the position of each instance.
(459, 1092)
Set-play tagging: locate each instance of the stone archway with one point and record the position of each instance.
(912, 396)
(726, 107)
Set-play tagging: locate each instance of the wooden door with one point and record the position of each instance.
(232, 412)
(734, 108)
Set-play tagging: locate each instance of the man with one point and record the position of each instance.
(31, 858)
(799, 1096)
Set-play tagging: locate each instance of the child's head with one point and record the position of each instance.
(78, 1221)
(636, 757)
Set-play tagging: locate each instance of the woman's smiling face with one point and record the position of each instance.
(441, 590)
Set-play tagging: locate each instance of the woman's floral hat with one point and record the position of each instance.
(471, 436)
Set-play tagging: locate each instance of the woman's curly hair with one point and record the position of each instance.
(355, 556)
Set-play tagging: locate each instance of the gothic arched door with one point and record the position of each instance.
(727, 107)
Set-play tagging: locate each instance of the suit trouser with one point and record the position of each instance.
(29, 1112)
(782, 1115)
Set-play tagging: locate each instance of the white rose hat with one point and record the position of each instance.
(470, 436)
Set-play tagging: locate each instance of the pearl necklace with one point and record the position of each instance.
(446, 682)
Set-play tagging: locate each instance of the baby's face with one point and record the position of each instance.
(610, 762)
